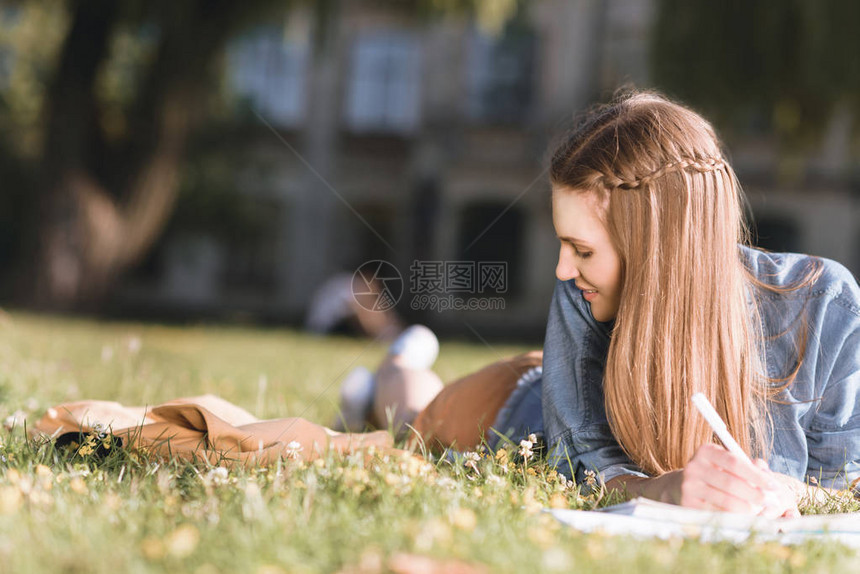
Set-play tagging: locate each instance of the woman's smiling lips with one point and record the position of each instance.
(588, 294)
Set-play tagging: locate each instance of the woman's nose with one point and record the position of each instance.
(566, 268)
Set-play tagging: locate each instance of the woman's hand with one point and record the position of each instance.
(788, 492)
(716, 479)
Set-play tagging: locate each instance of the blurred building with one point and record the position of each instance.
(408, 139)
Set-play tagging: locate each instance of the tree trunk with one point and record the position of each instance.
(90, 234)
(71, 115)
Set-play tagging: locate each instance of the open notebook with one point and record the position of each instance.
(646, 518)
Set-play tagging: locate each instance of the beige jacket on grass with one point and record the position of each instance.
(212, 429)
(206, 428)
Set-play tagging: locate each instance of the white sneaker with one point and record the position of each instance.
(356, 400)
(417, 346)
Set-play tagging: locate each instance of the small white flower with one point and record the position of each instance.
(294, 448)
(526, 449)
(590, 477)
(217, 476)
(472, 459)
(532, 438)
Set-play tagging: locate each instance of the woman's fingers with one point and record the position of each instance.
(717, 479)
(736, 466)
(777, 501)
(699, 494)
(753, 475)
(730, 484)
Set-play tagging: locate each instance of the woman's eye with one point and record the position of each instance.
(584, 255)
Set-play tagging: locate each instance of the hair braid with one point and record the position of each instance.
(702, 165)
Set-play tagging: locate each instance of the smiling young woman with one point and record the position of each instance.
(660, 297)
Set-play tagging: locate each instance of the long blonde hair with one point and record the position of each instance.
(686, 322)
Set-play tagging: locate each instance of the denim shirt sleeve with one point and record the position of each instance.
(816, 419)
(833, 424)
(833, 434)
(575, 420)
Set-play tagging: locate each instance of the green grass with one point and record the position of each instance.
(59, 513)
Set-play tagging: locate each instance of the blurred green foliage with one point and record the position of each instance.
(31, 34)
(71, 105)
(773, 66)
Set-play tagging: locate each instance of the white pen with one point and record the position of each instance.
(722, 431)
(718, 425)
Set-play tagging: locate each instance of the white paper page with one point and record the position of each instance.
(643, 518)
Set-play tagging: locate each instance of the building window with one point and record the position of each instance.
(384, 91)
(500, 75)
(492, 232)
(358, 241)
(251, 256)
(269, 72)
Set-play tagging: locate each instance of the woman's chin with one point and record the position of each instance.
(600, 314)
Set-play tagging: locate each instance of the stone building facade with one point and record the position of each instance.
(409, 140)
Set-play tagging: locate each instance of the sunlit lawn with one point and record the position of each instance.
(129, 514)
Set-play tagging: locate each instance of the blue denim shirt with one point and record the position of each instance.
(815, 433)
